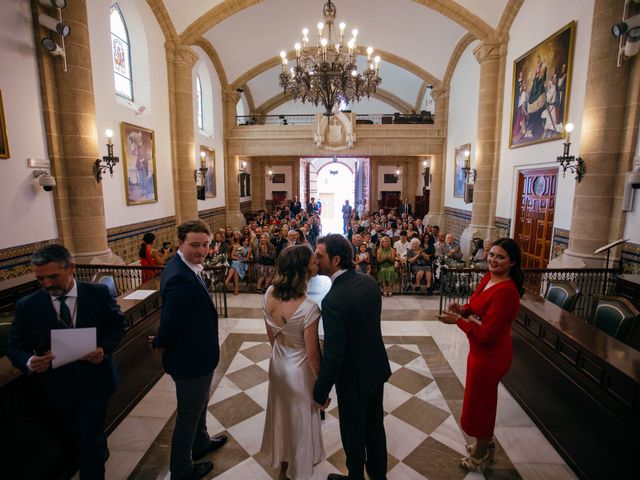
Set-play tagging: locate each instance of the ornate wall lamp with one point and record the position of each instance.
(269, 174)
(569, 162)
(199, 173)
(242, 167)
(108, 161)
(426, 173)
(470, 174)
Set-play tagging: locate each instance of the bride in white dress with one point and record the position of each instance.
(292, 438)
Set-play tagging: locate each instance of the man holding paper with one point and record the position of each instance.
(82, 323)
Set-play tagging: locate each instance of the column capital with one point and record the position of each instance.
(180, 54)
(490, 49)
(230, 95)
(440, 94)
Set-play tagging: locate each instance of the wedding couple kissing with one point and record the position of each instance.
(301, 376)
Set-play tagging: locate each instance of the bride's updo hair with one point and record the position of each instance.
(290, 279)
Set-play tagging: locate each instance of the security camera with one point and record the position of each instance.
(623, 27)
(632, 43)
(46, 181)
(52, 47)
(53, 3)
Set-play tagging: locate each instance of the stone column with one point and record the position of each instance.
(411, 173)
(373, 188)
(180, 62)
(436, 193)
(490, 55)
(72, 140)
(295, 184)
(235, 218)
(258, 184)
(597, 218)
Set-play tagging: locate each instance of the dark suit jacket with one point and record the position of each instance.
(31, 331)
(354, 357)
(402, 209)
(188, 330)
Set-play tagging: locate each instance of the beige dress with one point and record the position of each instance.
(292, 431)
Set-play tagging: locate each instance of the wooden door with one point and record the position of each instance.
(534, 217)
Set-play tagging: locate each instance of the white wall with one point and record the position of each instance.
(26, 216)
(632, 225)
(463, 119)
(279, 187)
(534, 24)
(213, 136)
(149, 70)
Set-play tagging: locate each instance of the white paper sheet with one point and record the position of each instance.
(139, 294)
(71, 344)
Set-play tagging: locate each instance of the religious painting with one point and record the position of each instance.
(4, 141)
(541, 87)
(390, 178)
(278, 178)
(139, 157)
(459, 179)
(208, 156)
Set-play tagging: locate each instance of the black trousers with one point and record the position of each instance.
(362, 433)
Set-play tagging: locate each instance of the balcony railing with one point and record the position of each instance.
(457, 285)
(128, 278)
(424, 118)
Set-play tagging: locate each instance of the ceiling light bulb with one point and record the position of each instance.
(369, 50)
(297, 46)
(354, 73)
(351, 43)
(354, 32)
(467, 153)
(283, 54)
(108, 132)
(320, 28)
(342, 27)
(323, 42)
(202, 154)
(305, 31)
(568, 127)
(377, 59)
(424, 163)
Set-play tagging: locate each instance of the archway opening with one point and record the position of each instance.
(335, 184)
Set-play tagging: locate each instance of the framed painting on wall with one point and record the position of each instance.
(278, 178)
(209, 159)
(4, 141)
(458, 177)
(390, 178)
(139, 157)
(541, 88)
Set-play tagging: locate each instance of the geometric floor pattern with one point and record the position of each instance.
(422, 404)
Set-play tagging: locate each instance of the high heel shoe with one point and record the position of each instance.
(474, 464)
(491, 450)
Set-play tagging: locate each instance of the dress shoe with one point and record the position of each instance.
(199, 470)
(214, 444)
(337, 476)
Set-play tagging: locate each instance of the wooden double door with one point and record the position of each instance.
(534, 216)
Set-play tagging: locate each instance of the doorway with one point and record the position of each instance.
(534, 215)
(335, 184)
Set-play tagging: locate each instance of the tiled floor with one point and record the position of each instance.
(423, 400)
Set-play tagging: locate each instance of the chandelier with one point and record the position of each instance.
(326, 73)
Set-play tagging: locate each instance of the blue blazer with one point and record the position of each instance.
(188, 330)
(31, 332)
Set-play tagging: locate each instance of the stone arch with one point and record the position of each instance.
(328, 164)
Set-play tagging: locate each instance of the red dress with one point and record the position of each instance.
(490, 353)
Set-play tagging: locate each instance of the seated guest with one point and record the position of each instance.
(363, 259)
(439, 245)
(452, 248)
(356, 241)
(479, 260)
(149, 256)
(240, 256)
(386, 258)
(420, 264)
(292, 238)
(217, 247)
(401, 246)
(265, 260)
(228, 235)
(393, 230)
(278, 242)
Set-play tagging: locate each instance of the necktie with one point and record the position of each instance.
(199, 277)
(65, 314)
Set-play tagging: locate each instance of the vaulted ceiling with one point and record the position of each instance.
(419, 41)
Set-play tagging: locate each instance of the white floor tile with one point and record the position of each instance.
(402, 438)
(248, 433)
(527, 445)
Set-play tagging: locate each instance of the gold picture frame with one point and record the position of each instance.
(210, 177)
(541, 90)
(139, 164)
(4, 140)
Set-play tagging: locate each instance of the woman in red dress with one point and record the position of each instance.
(486, 320)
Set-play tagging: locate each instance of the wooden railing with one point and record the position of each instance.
(128, 278)
(457, 284)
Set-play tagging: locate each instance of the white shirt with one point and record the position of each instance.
(70, 301)
(401, 248)
(197, 269)
(337, 274)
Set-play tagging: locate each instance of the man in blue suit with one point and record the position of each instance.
(188, 339)
(79, 391)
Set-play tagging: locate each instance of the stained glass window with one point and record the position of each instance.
(199, 98)
(120, 50)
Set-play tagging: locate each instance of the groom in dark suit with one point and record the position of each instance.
(79, 391)
(354, 359)
(188, 339)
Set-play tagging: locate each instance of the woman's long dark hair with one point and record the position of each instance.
(290, 279)
(147, 239)
(513, 251)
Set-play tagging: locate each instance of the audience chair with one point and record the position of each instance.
(106, 278)
(615, 316)
(563, 293)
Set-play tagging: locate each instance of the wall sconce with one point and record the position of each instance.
(199, 173)
(269, 174)
(426, 173)
(242, 168)
(57, 26)
(397, 172)
(470, 174)
(108, 161)
(569, 162)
